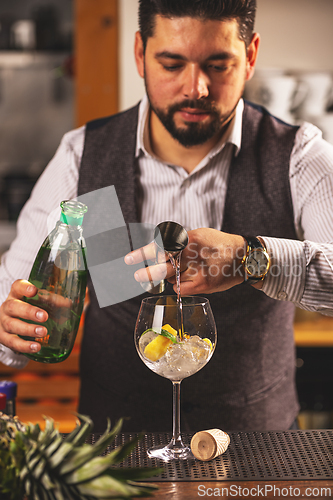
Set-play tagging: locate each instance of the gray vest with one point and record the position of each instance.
(249, 382)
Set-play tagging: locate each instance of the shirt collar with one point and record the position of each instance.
(232, 135)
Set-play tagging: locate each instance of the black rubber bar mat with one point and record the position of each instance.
(250, 456)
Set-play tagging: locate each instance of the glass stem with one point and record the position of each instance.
(176, 435)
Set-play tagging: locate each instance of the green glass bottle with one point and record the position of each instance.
(60, 274)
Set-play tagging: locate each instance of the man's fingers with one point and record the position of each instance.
(15, 308)
(11, 312)
(141, 254)
(17, 327)
(11, 324)
(21, 288)
(21, 346)
(152, 273)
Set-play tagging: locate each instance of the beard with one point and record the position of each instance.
(192, 133)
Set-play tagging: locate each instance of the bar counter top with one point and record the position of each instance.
(272, 464)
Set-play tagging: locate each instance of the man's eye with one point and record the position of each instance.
(218, 68)
(172, 68)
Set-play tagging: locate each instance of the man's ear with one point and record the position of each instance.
(251, 55)
(139, 53)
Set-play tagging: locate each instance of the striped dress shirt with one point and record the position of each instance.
(168, 192)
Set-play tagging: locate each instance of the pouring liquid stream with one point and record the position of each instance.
(175, 261)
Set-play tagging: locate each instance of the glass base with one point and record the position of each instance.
(167, 453)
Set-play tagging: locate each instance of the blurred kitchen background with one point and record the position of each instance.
(63, 62)
(41, 97)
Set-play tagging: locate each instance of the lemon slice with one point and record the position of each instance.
(208, 342)
(159, 345)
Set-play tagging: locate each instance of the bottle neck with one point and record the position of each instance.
(70, 221)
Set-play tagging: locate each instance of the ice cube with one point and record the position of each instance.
(188, 356)
(178, 357)
(199, 349)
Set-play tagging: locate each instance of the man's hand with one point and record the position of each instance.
(11, 325)
(210, 263)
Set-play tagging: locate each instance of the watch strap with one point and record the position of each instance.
(253, 242)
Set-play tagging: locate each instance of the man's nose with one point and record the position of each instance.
(196, 84)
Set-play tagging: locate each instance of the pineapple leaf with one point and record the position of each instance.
(46, 481)
(98, 465)
(34, 494)
(41, 465)
(49, 427)
(56, 489)
(59, 456)
(91, 469)
(79, 434)
(142, 489)
(30, 461)
(134, 474)
(122, 451)
(36, 463)
(107, 487)
(27, 487)
(35, 460)
(17, 451)
(139, 489)
(41, 493)
(9, 477)
(87, 452)
(53, 446)
(40, 468)
(74, 439)
(63, 491)
(33, 431)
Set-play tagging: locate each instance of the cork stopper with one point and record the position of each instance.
(206, 445)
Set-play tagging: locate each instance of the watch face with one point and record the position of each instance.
(257, 263)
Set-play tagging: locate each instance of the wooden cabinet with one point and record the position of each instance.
(96, 59)
(313, 330)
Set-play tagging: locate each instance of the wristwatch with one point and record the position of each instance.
(256, 261)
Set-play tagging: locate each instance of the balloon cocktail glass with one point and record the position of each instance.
(175, 347)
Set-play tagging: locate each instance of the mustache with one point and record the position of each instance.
(194, 104)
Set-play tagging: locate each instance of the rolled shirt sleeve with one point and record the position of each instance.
(302, 271)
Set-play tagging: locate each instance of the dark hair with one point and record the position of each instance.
(242, 10)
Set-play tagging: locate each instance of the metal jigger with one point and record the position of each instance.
(169, 238)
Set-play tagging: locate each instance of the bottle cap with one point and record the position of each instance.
(72, 212)
(9, 388)
(3, 399)
(206, 445)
